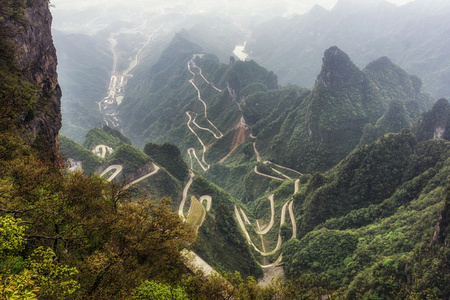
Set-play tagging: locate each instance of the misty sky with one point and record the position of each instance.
(299, 6)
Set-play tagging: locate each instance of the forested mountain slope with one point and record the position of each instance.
(316, 129)
(84, 72)
(159, 172)
(372, 223)
(345, 106)
(414, 36)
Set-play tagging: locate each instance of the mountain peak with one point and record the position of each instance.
(392, 80)
(337, 69)
(317, 10)
(380, 64)
(353, 5)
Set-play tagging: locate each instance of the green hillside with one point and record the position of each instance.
(413, 36)
(219, 241)
(367, 223)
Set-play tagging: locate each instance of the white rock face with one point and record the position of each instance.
(439, 133)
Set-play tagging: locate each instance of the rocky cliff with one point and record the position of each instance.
(27, 26)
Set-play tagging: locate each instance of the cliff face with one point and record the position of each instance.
(434, 124)
(35, 59)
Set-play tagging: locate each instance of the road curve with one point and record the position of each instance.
(286, 168)
(118, 169)
(155, 170)
(191, 151)
(242, 225)
(294, 223)
(283, 213)
(185, 191)
(278, 172)
(199, 97)
(201, 142)
(272, 217)
(258, 157)
(265, 175)
(249, 240)
(204, 128)
(296, 186)
(208, 200)
(278, 261)
(201, 74)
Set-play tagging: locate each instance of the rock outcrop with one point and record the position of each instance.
(35, 58)
(434, 123)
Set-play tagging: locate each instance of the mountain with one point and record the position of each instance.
(214, 112)
(30, 90)
(328, 123)
(158, 172)
(84, 73)
(413, 36)
(434, 123)
(88, 62)
(368, 221)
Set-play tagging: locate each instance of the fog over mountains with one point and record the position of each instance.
(303, 140)
(287, 37)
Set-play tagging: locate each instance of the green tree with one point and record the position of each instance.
(151, 290)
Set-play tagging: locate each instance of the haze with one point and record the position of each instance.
(90, 16)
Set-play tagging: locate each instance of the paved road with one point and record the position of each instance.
(118, 169)
(208, 200)
(196, 263)
(200, 71)
(292, 170)
(192, 150)
(185, 191)
(278, 172)
(265, 175)
(294, 223)
(249, 240)
(272, 217)
(199, 97)
(204, 128)
(155, 170)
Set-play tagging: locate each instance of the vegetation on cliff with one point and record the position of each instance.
(367, 223)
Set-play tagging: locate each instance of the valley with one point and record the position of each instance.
(235, 127)
(202, 174)
(119, 78)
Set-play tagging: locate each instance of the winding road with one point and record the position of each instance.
(199, 97)
(155, 170)
(185, 192)
(118, 169)
(201, 142)
(258, 159)
(202, 199)
(192, 120)
(200, 71)
(272, 217)
(240, 214)
(208, 200)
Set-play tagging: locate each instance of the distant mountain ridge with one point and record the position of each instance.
(414, 36)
